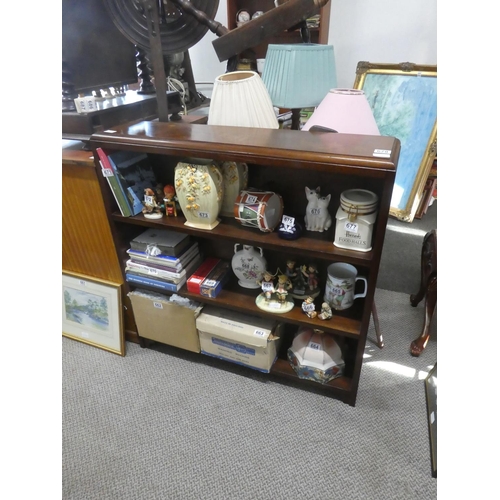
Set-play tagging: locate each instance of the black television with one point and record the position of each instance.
(96, 53)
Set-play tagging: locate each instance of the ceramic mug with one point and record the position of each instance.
(340, 284)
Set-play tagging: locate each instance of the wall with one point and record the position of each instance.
(382, 31)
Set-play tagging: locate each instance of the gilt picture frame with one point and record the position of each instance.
(403, 98)
(92, 312)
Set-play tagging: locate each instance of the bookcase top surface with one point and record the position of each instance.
(254, 144)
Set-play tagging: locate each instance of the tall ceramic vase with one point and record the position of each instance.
(200, 190)
(235, 176)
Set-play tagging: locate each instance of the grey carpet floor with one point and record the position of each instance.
(153, 425)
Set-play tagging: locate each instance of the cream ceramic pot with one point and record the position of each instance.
(200, 190)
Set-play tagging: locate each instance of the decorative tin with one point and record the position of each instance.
(355, 218)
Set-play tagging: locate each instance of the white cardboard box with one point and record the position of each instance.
(243, 339)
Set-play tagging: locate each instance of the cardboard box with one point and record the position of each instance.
(166, 322)
(212, 285)
(196, 279)
(240, 338)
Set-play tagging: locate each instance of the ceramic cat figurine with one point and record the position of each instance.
(317, 217)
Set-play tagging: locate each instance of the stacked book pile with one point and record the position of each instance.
(162, 259)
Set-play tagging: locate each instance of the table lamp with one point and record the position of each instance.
(346, 111)
(239, 99)
(299, 75)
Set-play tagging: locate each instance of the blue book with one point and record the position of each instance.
(159, 284)
(135, 172)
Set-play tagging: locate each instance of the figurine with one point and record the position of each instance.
(169, 200)
(326, 311)
(317, 217)
(274, 298)
(290, 270)
(284, 284)
(310, 272)
(152, 209)
(309, 308)
(267, 285)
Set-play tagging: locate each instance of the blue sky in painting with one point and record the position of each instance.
(404, 106)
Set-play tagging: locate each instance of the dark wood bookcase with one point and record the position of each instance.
(284, 161)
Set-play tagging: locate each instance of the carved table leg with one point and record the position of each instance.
(428, 289)
(418, 345)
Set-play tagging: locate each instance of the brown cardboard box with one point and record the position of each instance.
(166, 322)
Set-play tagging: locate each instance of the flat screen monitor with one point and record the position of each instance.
(98, 55)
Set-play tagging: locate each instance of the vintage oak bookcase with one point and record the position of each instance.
(283, 161)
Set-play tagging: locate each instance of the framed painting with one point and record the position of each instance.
(92, 312)
(403, 98)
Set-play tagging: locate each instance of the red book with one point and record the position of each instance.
(194, 282)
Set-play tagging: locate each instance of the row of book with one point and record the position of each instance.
(162, 259)
(128, 174)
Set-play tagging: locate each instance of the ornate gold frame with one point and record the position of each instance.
(412, 176)
(79, 290)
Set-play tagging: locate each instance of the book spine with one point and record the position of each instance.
(154, 272)
(108, 172)
(137, 204)
(140, 280)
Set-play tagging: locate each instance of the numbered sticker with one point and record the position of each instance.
(82, 282)
(315, 211)
(259, 333)
(158, 305)
(251, 199)
(107, 172)
(308, 307)
(382, 153)
(288, 221)
(267, 287)
(275, 305)
(151, 270)
(85, 335)
(148, 200)
(351, 227)
(315, 346)
(210, 283)
(203, 215)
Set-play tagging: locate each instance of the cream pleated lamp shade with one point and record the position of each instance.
(346, 111)
(240, 99)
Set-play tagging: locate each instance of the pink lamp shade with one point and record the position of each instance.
(346, 111)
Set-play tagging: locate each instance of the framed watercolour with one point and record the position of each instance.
(92, 312)
(403, 98)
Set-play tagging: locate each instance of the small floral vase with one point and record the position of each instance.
(200, 190)
(248, 265)
(235, 176)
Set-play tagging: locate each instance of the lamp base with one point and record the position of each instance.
(295, 119)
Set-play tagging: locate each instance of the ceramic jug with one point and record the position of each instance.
(248, 265)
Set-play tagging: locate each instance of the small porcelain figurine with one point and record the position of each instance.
(309, 308)
(326, 311)
(284, 284)
(310, 273)
(317, 217)
(169, 200)
(152, 209)
(267, 285)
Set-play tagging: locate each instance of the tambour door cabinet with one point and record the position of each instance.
(283, 161)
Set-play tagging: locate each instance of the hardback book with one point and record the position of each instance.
(169, 262)
(135, 172)
(156, 272)
(161, 242)
(116, 188)
(155, 283)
